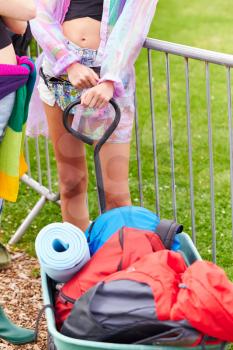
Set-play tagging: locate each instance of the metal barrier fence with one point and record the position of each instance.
(173, 80)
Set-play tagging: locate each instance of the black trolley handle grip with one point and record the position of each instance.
(99, 144)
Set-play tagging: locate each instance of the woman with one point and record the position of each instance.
(75, 36)
(14, 20)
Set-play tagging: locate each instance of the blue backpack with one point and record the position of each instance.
(111, 221)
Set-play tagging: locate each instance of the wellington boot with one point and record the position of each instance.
(12, 333)
(5, 258)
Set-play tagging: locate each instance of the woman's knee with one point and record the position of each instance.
(116, 200)
(115, 167)
(73, 181)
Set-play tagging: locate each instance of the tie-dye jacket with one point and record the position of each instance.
(124, 27)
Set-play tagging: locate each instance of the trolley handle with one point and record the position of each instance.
(85, 138)
(99, 144)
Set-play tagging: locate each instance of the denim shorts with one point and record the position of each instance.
(89, 121)
(6, 106)
(62, 92)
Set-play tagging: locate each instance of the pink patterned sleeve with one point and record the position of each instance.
(48, 33)
(125, 41)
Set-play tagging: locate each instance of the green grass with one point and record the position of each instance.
(203, 24)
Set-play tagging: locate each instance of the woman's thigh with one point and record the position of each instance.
(115, 168)
(69, 152)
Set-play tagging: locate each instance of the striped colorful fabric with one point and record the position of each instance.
(12, 162)
(116, 7)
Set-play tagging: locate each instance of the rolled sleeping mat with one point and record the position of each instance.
(62, 250)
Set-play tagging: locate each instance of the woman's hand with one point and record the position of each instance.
(82, 77)
(98, 96)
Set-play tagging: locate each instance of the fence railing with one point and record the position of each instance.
(208, 57)
(170, 67)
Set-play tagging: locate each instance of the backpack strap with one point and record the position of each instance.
(166, 230)
(121, 241)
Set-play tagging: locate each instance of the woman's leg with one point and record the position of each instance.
(114, 159)
(72, 169)
(6, 106)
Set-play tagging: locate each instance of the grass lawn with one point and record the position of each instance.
(203, 24)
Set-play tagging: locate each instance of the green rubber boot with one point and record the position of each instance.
(12, 333)
(5, 257)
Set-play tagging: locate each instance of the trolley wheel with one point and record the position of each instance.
(50, 343)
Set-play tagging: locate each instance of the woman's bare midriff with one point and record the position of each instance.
(84, 32)
(7, 55)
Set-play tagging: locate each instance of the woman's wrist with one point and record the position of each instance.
(108, 83)
(71, 66)
(64, 59)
